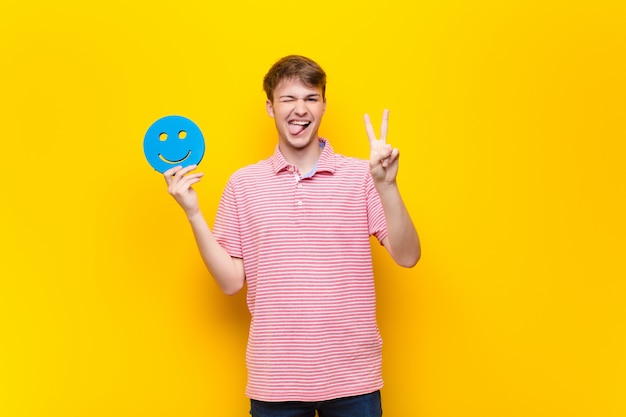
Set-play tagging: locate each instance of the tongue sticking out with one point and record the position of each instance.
(297, 128)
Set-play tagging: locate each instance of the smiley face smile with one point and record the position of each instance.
(176, 161)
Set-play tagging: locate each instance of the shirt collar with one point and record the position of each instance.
(326, 161)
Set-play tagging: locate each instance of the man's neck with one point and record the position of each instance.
(304, 159)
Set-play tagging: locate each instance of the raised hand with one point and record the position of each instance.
(383, 157)
(179, 185)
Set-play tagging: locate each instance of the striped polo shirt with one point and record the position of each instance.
(305, 243)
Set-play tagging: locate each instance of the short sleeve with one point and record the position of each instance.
(375, 213)
(227, 228)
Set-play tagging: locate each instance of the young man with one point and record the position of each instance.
(296, 229)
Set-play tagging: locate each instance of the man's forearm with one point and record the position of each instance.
(403, 241)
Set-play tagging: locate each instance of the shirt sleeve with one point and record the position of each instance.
(375, 213)
(227, 229)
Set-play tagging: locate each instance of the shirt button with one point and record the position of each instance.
(290, 169)
(299, 203)
(299, 185)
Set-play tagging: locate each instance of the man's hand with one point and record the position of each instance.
(179, 186)
(383, 157)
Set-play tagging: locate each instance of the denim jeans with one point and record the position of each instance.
(367, 405)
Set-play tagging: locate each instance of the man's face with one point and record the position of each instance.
(297, 111)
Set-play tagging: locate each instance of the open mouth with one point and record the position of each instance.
(177, 161)
(296, 127)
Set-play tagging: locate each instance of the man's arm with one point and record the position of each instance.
(227, 271)
(402, 241)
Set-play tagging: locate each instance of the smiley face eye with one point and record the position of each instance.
(163, 137)
(182, 134)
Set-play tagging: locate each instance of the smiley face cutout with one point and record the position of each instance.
(173, 141)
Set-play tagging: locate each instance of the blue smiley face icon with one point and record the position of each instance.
(173, 141)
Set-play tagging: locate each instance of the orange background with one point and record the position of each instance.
(510, 122)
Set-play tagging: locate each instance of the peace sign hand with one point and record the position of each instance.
(383, 157)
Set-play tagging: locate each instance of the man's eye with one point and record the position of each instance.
(286, 100)
(312, 99)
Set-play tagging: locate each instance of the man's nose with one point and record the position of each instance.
(301, 107)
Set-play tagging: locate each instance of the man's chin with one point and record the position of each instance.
(300, 141)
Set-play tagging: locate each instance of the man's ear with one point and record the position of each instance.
(269, 108)
(324, 109)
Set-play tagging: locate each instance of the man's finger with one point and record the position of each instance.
(190, 180)
(395, 154)
(368, 127)
(383, 126)
(187, 180)
(182, 171)
(170, 173)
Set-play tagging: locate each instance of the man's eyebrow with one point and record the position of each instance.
(307, 96)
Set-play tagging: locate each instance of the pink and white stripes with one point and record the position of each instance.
(306, 250)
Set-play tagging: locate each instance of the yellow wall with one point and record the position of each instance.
(510, 118)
